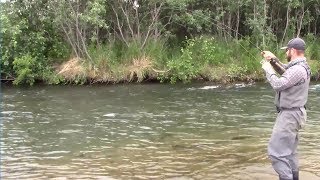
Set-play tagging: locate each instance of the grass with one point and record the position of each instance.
(203, 58)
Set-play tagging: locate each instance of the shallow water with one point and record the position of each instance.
(153, 131)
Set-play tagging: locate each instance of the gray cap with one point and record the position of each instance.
(296, 43)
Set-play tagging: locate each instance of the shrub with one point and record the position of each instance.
(24, 68)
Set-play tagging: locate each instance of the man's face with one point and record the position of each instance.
(289, 54)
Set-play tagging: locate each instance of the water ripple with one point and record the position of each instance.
(147, 132)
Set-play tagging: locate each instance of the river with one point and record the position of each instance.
(147, 131)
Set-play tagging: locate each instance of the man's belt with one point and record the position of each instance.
(289, 109)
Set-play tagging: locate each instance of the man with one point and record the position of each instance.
(290, 100)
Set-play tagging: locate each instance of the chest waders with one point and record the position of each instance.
(282, 147)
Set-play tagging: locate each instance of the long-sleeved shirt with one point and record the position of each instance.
(292, 86)
(292, 75)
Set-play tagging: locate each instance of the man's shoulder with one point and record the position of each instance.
(298, 69)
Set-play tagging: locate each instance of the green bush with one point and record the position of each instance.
(199, 54)
(183, 68)
(24, 68)
(313, 47)
(208, 50)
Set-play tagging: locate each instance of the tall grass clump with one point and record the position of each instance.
(132, 62)
(201, 58)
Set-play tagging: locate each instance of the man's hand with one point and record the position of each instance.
(267, 66)
(268, 55)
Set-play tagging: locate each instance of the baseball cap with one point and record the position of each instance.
(296, 43)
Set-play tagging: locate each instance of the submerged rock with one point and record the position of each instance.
(240, 137)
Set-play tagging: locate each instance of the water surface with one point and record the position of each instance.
(152, 131)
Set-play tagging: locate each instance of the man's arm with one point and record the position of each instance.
(288, 79)
(277, 65)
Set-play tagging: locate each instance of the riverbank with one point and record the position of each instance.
(198, 59)
(167, 41)
(144, 70)
(76, 72)
(72, 72)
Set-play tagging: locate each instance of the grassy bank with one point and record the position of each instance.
(127, 41)
(202, 58)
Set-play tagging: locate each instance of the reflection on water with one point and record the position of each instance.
(146, 132)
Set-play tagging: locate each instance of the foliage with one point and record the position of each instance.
(237, 72)
(176, 40)
(24, 68)
(313, 46)
(183, 68)
(30, 41)
(203, 52)
(315, 69)
(79, 22)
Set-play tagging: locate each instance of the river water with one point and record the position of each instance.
(146, 131)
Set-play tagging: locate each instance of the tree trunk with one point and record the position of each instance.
(315, 27)
(299, 23)
(287, 24)
(265, 23)
(238, 20)
(229, 24)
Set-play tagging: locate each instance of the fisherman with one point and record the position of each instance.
(291, 97)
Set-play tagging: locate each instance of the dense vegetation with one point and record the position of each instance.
(89, 41)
